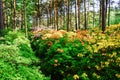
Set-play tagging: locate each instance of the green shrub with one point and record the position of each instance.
(17, 60)
(61, 57)
(97, 59)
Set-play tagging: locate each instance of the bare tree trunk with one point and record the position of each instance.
(85, 23)
(5, 14)
(56, 13)
(48, 16)
(76, 14)
(1, 18)
(70, 23)
(64, 17)
(103, 16)
(109, 15)
(38, 14)
(7, 21)
(11, 14)
(68, 15)
(25, 20)
(93, 13)
(78, 6)
(88, 13)
(100, 14)
(14, 27)
(50, 10)
(106, 5)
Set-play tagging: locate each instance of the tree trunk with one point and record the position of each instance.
(76, 15)
(48, 16)
(1, 18)
(100, 15)
(109, 14)
(11, 14)
(56, 13)
(38, 14)
(103, 16)
(14, 27)
(88, 13)
(7, 12)
(68, 15)
(106, 10)
(78, 6)
(25, 20)
(70, 23)
(93, 13)
(50, 10)
(85, 23)
(64, 17)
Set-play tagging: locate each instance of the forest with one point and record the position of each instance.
(59, 39)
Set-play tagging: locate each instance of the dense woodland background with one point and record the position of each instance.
(58, 14)
(59, 39)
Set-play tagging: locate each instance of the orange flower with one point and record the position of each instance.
(55, 65)
(49, 43)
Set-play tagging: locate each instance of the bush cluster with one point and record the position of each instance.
(97, 58)
(17, 60)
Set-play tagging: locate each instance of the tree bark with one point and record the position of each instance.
(56, 13)
(100, 15)
(94, 13)
(1, 18)
(76, 15)
(103, 16)
(78, 6)
(109, 14)
(14, 27)
(25, 20)
(68, 15)
(85, 23)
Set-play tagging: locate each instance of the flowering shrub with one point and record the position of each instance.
(81, 55)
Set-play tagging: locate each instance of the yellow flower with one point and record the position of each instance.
(80, 55)
(96, 75)
(84, 75)
(60, 50)
(117, 75)
(97, 67)
(106, 63)
(76, 77)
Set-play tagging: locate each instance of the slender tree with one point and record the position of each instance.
(106, 9)
(68, 2)
(100, 14)
(93, 13)
(78, 13)
(64, 12)
(38, 14)
(14, 27)
(56, 13)
(88, 8)
(1, 18)
(103, 16)
(109, 14)
(85, 16)
(25, 19)
(50, 11)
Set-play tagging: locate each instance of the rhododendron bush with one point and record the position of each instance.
(79, 55)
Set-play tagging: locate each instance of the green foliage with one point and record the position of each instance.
(17, 60)
(96, 58)
(62, 56)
